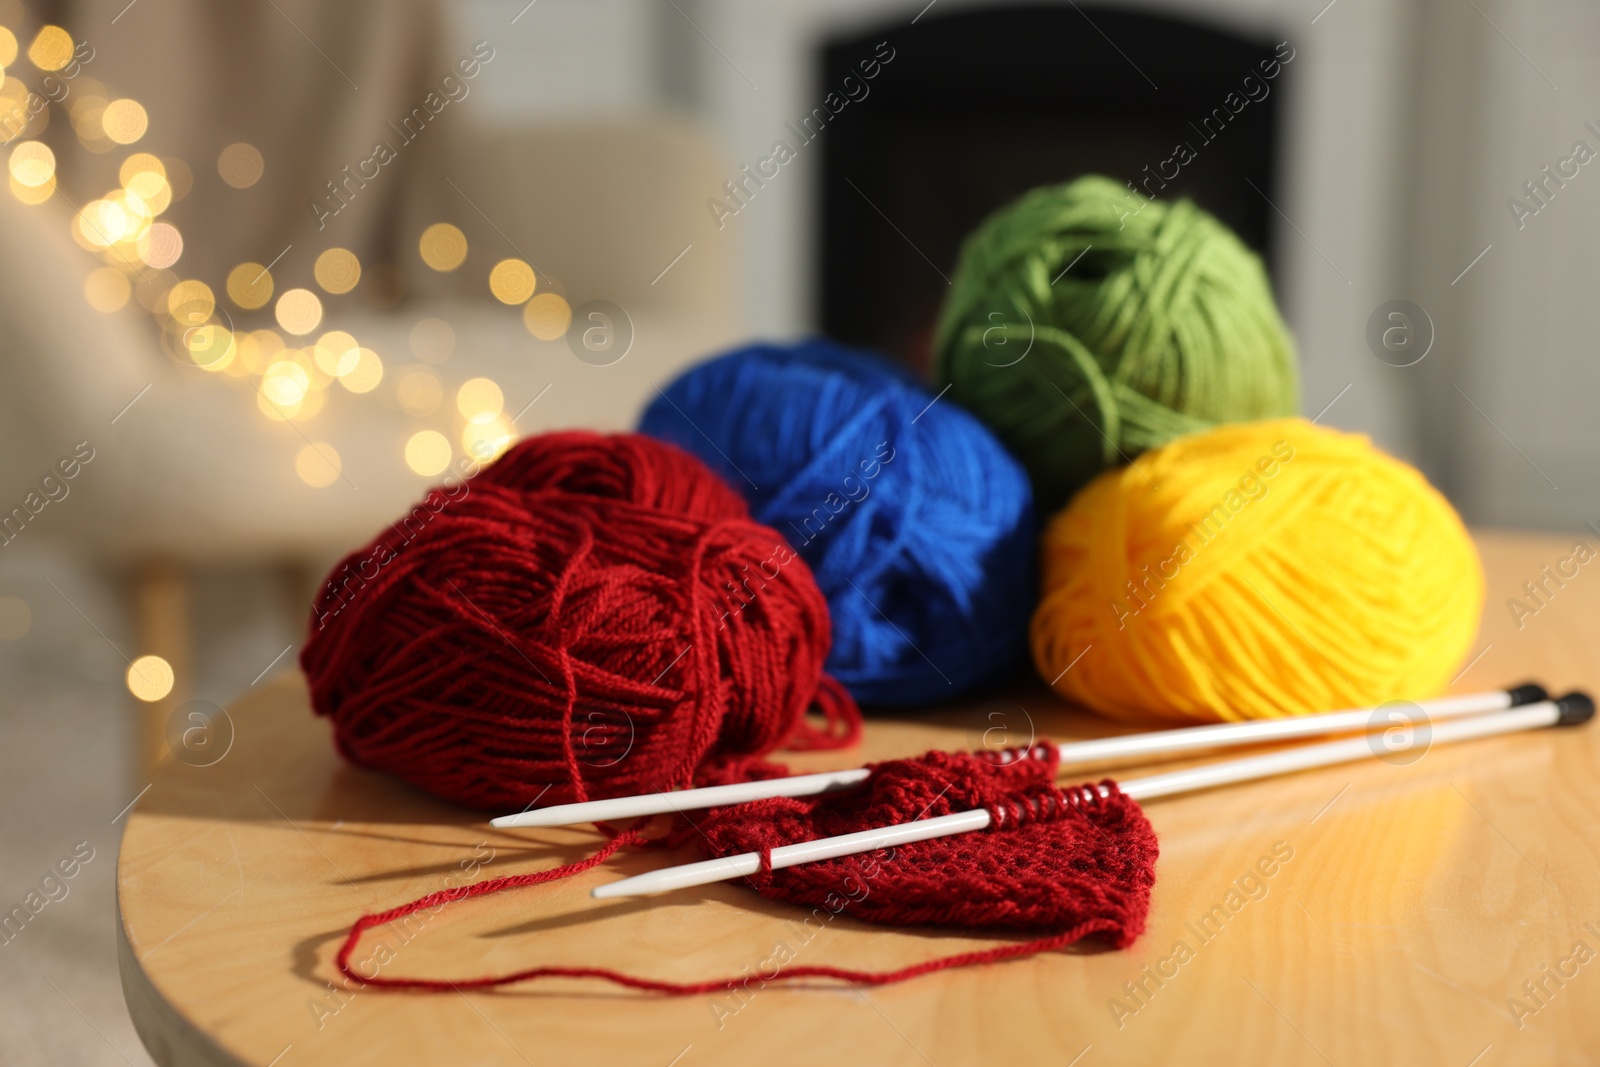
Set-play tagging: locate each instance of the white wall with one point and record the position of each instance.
(563, 59)
(1509, 89)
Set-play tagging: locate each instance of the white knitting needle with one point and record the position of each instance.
(1571, 709)
(1104, 750)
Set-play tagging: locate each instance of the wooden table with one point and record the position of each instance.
(1417, 901)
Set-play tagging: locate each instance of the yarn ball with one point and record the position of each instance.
(560, 627)
(1086, 324)
(1255, 570)
(916, 521)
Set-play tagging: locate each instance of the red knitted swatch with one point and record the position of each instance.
(1052, 858)
(1066, 864)
(589, 616)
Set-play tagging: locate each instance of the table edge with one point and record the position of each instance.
(171, 1039)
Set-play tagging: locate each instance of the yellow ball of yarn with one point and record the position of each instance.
(1252, 571)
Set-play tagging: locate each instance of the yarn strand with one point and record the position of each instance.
(1058, 864)
(489, 887)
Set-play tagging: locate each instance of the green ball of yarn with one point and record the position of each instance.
(1086, 324)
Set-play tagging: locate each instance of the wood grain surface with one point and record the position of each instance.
(1406, 908)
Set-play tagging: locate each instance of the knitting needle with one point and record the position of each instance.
(1103, 750)
(1572, 709)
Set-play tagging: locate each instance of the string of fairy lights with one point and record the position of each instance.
(294, 364)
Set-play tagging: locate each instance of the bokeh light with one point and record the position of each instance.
(318, 465)
(51, 48)
(419, 392)
(258, 349)
(307, 406)
(140, 163)
(285, 383)
(337, 270)
(479, 396)
(547, 316)
(210, 347)
(512, 281)
(151, 189)
(32, 194)
(36, 125)
(486, 437)
(124, 121)
(122, 228)
(250, 286)
(32, 163)
(275, 411)
(336, 353)
(150, 678)
(366, 374)
(136, 214)
(107, 289)
(433, 340)
(133, 203)
(16, 618)
(240, 165)
(311, 404)
(160, 245)
(299, 311)
(237, 367)
(443, 247)
(428, 452)
(191, 302)
(104, 223)
(307, 359)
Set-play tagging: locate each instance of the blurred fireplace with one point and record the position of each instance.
(982, 104)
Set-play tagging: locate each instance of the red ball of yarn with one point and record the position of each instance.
(590, 616)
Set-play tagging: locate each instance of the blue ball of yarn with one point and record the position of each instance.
(917, 522)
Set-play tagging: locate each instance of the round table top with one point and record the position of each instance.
(1415, 903)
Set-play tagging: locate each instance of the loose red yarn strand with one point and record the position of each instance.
(1079, 861)
(632, 837)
